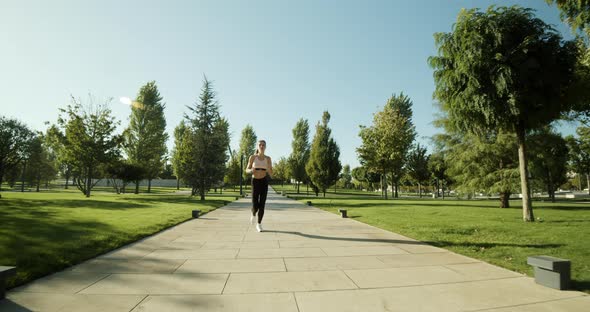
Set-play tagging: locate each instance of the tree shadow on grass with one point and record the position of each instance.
(41, 246)
(561, 207)
(176, 199)
(30, 204)
(441, 244)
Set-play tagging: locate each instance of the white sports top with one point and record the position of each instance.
(263, 164)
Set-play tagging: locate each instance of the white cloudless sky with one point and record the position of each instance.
(271, 62)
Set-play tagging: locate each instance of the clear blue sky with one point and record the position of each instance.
(272, 62)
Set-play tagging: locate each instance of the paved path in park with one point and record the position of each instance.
(306, 260)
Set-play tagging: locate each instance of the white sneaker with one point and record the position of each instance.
(259, 227)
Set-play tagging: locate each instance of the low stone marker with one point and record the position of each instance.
(5, 272)
(343, 213)
(196, 213)
(309, 202)
(550, 271)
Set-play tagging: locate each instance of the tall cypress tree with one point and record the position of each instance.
(300, 154)
(324, 165)
(146, 135)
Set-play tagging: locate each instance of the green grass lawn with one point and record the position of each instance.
(476, 228)
(45, 232)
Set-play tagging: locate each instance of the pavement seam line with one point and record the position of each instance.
(296, 303)
(140, 301)
(357, 286)
(178, 267)
(526, 304)
(109, 274)
(226, 280)
(285, 264)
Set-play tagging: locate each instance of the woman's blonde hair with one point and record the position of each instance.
(257, 151)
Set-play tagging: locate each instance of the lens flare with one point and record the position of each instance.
(127, 101)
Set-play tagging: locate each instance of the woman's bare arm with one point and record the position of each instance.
(269, 165)
(249, 167)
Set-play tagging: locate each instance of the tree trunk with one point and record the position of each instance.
(588, 181)
(385, 183)
(298, 188)
(22, 186)
(89, 182)
(136, 186)
(149, 185)
(177, 184)
(67, 178)
(420, 189)
(505, 200)
(550, 188)
(1, 176)
(437, 188)
(527, 207)
(202, 190)
(443, 189)
(38, 182)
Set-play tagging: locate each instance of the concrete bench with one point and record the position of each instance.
(5, 272)
(550, 271)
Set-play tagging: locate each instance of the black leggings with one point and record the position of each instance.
(259, 191)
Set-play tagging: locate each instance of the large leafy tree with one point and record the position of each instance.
(418, 166)
(345, 177)
(179, 131)
(300, 152)
(504, 69)
(386, 143)
(232, 175)
(549, 155)
(90, 140)
(247, 145)
(361, 174)
(203, 150)
(145, 138)
(579, 153)
(281, 170)
(248, 141)
(324, 165)
(121, 173)
(15, 137)
(55, 140)
(488, 164)
(574, 12)
(41, 162)
(438, 166)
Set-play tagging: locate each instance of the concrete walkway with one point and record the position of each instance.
(306, 260)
